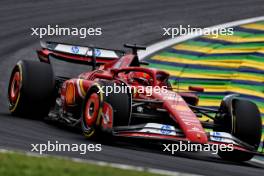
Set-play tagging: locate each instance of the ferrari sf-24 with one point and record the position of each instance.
(166, 115)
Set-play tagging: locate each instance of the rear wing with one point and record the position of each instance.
(77, 54)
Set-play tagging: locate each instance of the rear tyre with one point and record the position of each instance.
(31, 89)
(246, 125)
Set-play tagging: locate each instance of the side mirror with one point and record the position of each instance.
(114, 71)
(196, 89)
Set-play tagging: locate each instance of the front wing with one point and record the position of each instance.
(162, 132)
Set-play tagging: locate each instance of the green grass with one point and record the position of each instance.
(15, 164)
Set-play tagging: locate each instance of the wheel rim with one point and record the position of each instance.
(92, 109)
(14, 88)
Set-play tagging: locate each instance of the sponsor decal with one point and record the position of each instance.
(75, 49)
(165, 129)
(222, 137)
(216, 136)
(195, 129)
(97, 52)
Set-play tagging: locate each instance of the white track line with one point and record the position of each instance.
(106, 164)
(166, 43)
(258, 160)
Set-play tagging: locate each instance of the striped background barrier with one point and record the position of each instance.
(222, 65)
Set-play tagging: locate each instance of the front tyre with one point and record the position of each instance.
(246, 125)
(91, 111)
(120, 104)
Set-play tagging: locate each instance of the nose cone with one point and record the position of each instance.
(184, 116)
(197, 136)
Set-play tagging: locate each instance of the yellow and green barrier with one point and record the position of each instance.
(222, 65)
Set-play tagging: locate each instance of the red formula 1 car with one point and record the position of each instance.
(120, 97)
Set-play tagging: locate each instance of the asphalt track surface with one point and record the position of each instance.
(134, 21)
